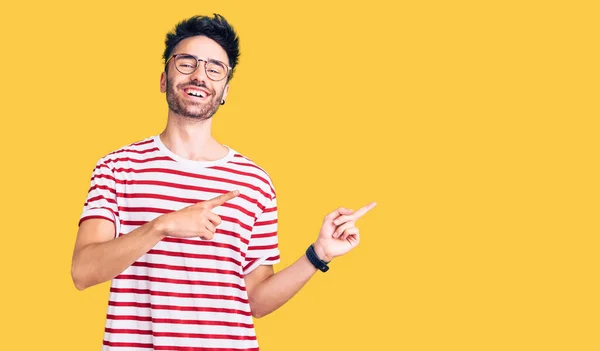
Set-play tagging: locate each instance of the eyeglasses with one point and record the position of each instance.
(187, 64)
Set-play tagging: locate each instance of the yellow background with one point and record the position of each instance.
(473, 124)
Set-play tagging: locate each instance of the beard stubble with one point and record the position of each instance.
(189, 109)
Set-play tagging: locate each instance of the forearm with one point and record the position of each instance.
(279, 288)
(99, 262)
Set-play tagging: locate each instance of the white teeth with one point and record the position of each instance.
(197, 93)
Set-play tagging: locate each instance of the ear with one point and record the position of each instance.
(163, 82)
(225, 92)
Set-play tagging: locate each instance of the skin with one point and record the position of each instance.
(99, 257)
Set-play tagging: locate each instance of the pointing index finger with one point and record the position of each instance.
(221, 199)
(363, 210)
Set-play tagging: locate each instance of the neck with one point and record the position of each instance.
(191, 139)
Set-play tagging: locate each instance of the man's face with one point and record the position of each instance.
(181, 88)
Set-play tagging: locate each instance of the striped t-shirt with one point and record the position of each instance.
(184, 294)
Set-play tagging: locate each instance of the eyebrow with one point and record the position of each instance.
(217, 61)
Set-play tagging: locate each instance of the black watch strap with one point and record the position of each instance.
(315, 260)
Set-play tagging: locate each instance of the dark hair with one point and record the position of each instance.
(215, 28)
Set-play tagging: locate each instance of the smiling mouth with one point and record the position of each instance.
(196, 93)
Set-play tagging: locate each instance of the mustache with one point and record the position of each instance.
(196, 84)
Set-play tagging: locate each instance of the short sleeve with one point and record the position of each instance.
(101, 200)
(263, 248)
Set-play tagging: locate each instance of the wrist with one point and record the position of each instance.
(321, 252)
(158, 226)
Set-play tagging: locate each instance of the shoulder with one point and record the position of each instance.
(246, 167)
(138, 149)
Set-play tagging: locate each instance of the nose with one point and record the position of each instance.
(200, 73)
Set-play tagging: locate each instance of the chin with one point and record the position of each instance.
(195, 114)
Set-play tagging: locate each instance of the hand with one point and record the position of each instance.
(195, 220)
(338, 234)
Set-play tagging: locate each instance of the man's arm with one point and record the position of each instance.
(267, 291)
(98, 257)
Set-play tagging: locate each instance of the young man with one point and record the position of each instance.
(185, 227)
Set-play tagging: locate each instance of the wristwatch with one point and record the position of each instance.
(315, 260)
